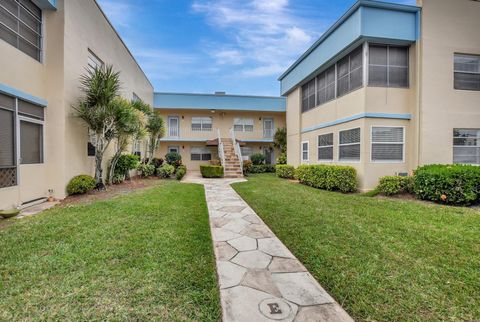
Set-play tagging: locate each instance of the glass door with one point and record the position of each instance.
(173, 126)
(268, 128)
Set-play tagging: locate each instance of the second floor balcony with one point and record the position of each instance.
(194, 134)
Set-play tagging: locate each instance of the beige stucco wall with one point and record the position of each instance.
(68, 33)
(448, 27)
(364, 100)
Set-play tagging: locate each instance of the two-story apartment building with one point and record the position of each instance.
(195, 122)
(387, 88)
(45, 45)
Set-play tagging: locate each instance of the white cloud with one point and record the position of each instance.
(118, 12)
(266, 35)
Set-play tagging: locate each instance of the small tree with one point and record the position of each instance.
(100, 87)
(280, 140)
(128, 122)
(156, 130)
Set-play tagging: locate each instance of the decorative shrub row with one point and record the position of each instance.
(81, 184)
(328, 177)
(181, 172)
(211, 171)
(146, 170)
(262, 168)
(166, 171)
(392, 185)
(285, 171)
(450, 184)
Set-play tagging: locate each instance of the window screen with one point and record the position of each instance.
(93, 61)
(308, 95)
(325, 147)
(387, 143)
(305, 151)
(349, 145)
(21, 26)
(198, 153)
(7, 138)
(201, 123)
(467, 72)
(326, 86)
(350, 72)
(30, 110)
(31, 142)
(243, 125)
(466, 146)
(388, 66)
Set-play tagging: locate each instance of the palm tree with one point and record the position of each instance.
(129, 122)
(156, 130)
(100, 87)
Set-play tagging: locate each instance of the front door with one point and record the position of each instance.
(173, 126)
(268, 128)
(269, 155)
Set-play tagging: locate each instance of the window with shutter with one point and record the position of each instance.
(387, 144)
(201, 124)
(466, 146)
(199, 153)
(325, 147)
(21, 26)
(467, 72)
(243, 125)
(349, 145)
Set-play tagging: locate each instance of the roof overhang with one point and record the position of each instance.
(46, 4)
(213, 102)
(367, 20)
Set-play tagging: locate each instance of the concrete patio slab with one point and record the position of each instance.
(259, 278)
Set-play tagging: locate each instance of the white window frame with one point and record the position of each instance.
(171, 147)
(241, 121)
(202, 129)
(346, 144)
(204, 148)
(302, 151)
(463, 72)
(371, 144)
(21, 118)
(463, 146)
(326, 146)
(93, 59)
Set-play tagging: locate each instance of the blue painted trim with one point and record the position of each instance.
(343, 18)
(357, 117)
(259, 140)
(225, 102)
(46, 4)
(22, 95)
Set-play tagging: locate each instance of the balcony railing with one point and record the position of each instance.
(185, 134)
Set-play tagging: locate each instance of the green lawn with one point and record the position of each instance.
(141, 257)
(383, 260)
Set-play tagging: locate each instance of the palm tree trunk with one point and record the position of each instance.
(113, 164)
(98, 170)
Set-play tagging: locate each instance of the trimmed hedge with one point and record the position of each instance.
(173, 158)
(181, 172)
(328, 177)
(449, 184)
(285, 171)
(257, 158)
(262, 168)
(80, 184)
(211, 171)
(393, 185)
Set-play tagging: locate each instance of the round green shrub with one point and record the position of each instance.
(450, 184)
(257, 158)
(285, 171)
(173, 158)
(181, 171)
(125, 163)
(247, 166)
(282, 158)
(166, 171)
(80, 184)
(393, 185)
(146, 170)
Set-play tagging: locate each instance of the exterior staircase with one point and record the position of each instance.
(232, 163)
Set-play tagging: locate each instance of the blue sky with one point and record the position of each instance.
(237, 46)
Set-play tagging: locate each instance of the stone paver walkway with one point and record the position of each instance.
(260, 279)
